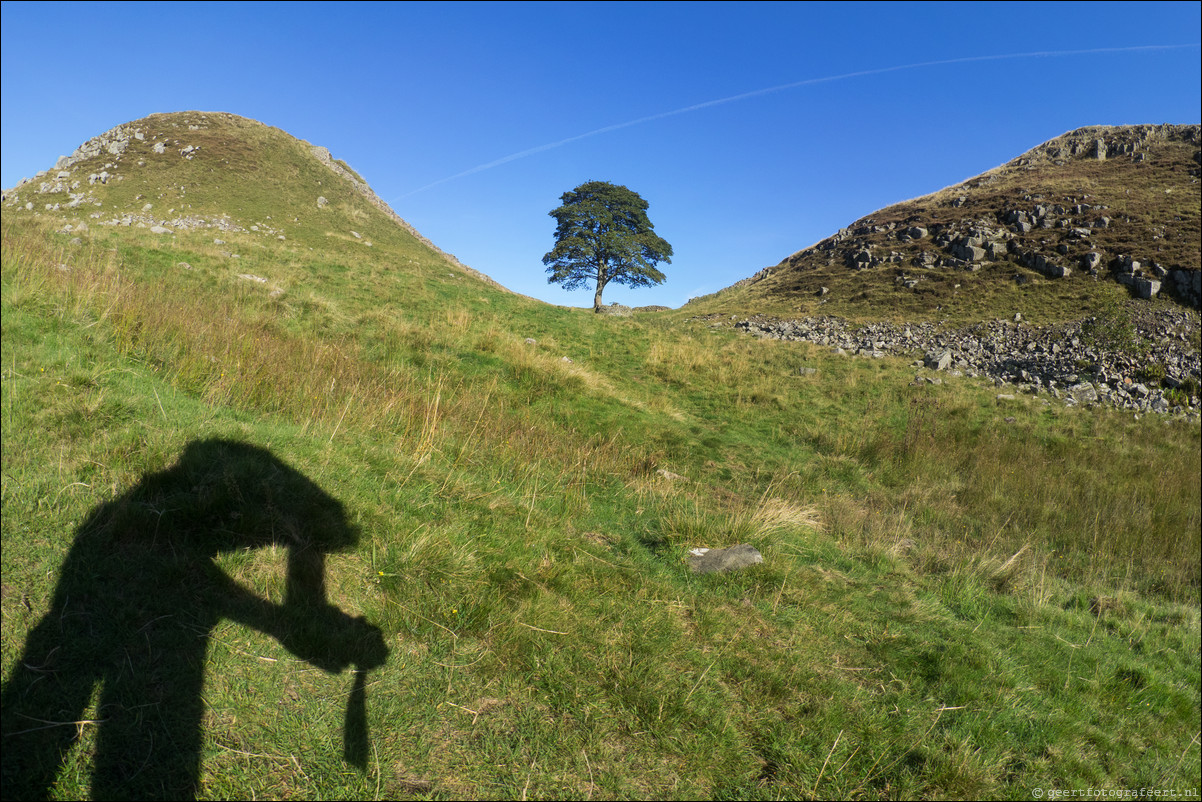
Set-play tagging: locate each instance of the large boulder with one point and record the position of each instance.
(1146, 288)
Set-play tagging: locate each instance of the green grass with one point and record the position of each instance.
(951, 604)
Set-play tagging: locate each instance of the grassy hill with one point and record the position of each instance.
(331, 519)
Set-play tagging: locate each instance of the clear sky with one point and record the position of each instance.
(472, 119)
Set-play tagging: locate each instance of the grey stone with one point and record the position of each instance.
(1146, 287)
(938, 360)
(1083, 392)
(708, 561)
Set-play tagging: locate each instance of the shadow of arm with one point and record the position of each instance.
(305, 624)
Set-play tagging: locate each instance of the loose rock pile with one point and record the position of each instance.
(1065, 362)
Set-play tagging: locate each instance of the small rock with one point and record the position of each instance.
(708, 561)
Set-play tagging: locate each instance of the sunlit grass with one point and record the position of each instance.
(950, 604)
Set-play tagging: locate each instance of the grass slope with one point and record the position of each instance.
(960, 597)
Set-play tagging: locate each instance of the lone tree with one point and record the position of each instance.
(603, 235)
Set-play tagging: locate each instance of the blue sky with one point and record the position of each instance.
(871, 104)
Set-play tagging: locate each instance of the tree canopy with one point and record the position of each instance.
(603, 235)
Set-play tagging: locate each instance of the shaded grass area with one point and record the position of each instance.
(950, 605)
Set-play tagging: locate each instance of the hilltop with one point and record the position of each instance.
(220, 173)
(1034, 236)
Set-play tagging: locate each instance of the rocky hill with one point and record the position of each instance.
(1117, 203)
(1040, 274)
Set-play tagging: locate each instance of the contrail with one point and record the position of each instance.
(782, 87)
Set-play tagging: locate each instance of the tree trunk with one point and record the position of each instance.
(602, 280)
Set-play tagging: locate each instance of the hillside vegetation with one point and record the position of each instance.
(347, 520)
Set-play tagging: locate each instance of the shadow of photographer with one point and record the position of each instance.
(137, 598)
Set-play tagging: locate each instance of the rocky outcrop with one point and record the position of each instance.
(1072, 363)
(1102, 142)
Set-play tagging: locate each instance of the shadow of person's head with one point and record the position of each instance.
(224, 495)
(137, 596)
